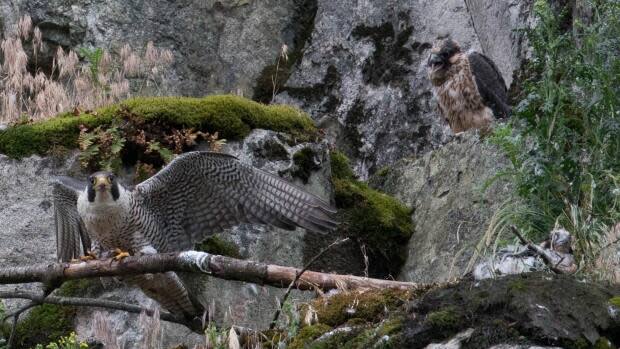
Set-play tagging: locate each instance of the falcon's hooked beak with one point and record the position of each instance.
(441, 54)
(435, 61)
(101, 184)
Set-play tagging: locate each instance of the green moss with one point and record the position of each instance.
(445, 319)
(232, 117)
(390, 327)
(48, 322)
(369, 306)
(341, 168)
(45, 323)
(217, 245)
(308, 334)
(384, 171)
(615, 301)
(378, 220)
(517, 285)
(603, 343)
(580, 343)
(80, 288)
(304, 164)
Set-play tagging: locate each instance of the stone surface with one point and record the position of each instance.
(363, 74)
(529, 309)
(26, 214)
(454, 343)
(451, 212)
(219, 46)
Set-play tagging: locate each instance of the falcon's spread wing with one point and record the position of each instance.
(71, 237)
(491, 85)
(201, 193)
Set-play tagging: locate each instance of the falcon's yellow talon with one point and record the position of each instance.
(89, 256)
(120, 254)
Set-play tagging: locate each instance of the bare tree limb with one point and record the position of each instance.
(561, 263)
(38, 299)
(197, 262)
(297, 276)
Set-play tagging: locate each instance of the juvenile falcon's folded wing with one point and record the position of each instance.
(201, 193)
(490, 83)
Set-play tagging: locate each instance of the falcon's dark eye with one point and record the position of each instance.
(111, 177)
(91, 179)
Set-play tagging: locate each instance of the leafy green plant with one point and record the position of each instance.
(93, 56)
(69, 342)
(101, 148)
(564, 138)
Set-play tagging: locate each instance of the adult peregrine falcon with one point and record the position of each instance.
(196, 195)
(470, 89)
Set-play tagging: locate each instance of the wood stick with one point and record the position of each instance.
(197, 262)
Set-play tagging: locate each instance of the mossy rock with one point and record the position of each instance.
(370, 306)
(231, 116)
(217, 245)
(307, 335)
(528, 309)
(379, 221)
(49, 322)
(546, 310)
(304, 164)
(45, 323)
(356, 320)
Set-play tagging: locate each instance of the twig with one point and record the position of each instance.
(13, 335)
(18, 311)
(297, 276)
(38, 299)
(518, 234)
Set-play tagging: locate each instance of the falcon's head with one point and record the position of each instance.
(439, 60)
(561, 240)
(103, 187)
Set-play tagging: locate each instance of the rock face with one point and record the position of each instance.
(363, 75)
(451, 212)
(219, 46)
(358, 66)
(26, 212)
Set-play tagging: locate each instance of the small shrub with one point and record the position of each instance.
(564, 139)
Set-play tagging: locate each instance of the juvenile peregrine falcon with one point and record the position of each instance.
(470, 89)
(196, 195)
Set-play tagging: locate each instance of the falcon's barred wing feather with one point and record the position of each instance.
(201, 193)
(71, 237)
(490, 83)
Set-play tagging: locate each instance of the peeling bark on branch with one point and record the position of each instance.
(197, 262)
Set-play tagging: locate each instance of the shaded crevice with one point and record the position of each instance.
(301, 27)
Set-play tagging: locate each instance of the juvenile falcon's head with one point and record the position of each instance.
(561, 240)
(439, 60)
(103, 187)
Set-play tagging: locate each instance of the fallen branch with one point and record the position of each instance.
(38, 299)
(561, 263)
(197, 262)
